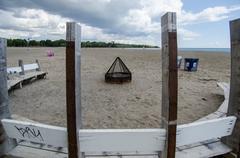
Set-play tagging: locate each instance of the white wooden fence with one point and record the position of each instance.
(120, 141)
(33, 72)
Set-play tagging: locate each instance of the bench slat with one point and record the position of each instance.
(122, 140)
(204, 150)
(35, 132)
(28, 67)
(14, 70)
(204, 130)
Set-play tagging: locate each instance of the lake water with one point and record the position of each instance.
(225, 50)
(222, 50)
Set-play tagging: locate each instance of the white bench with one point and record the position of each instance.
(197, 139)
(120, 141)
(214, 146)
(23, 74)
(22, 68)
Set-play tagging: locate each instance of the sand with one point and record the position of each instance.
(132, 105)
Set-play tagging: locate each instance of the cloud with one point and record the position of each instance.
(207, 15)
(187, 35)
(136, 21)
(99, 13)
(31, 23)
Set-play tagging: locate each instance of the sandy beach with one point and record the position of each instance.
(132, 105)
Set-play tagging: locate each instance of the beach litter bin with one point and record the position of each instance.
(191, 64)
(179, 61)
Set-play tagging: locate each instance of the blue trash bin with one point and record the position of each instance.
(191, 64)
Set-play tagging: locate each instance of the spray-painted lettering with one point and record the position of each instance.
(28, 132)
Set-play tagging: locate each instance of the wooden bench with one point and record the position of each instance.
(24, 74)
(213, 146)
(193, 139)
(99, 142)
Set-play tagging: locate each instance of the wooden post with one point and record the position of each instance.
(170, 82)
(234, 100)
(6, 144)
(20, 63)
(39, 68)
(73, 87)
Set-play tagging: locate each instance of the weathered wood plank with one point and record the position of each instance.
(22, 68)
(12, 83)
(26, 67)
(226, 89)
(20, 64)
(170, 82)
(201, 131)
(32, 152)
(29, 67)
(38, 68)
(206, 150)
(223, 108)
(126, 141)
(6, 144)
(234, 99)
(203, 151)
(73, 87)
(13, 70)
(33, 74)
(35, 132)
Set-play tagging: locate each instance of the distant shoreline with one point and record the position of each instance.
(224, 50)
(210, 50)
(182, 50)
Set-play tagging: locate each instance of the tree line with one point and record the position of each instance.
(62, 43)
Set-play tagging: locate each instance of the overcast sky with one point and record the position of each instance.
(201, 23)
